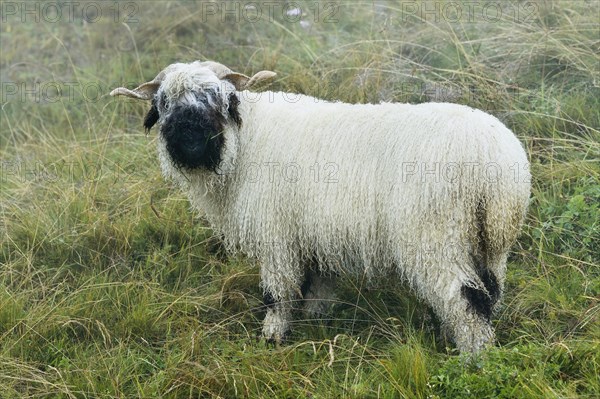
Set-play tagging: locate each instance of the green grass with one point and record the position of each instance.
(110, 287)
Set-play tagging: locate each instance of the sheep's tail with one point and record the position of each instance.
(498, 219)
(483, 295)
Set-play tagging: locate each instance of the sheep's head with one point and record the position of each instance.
(193, 103)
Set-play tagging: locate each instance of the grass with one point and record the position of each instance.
(110, 287)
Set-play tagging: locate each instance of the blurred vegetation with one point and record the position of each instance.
(110, 287)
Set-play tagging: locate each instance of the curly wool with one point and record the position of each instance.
(435, 192)
(368, 210)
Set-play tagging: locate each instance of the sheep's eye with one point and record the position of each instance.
(163, 104)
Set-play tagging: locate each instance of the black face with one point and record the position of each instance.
(194, 135)
(194, 138)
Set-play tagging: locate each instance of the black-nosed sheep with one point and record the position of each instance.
(435, 192)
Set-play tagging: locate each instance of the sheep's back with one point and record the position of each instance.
(357, 178)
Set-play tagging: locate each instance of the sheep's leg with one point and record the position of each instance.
(276, 324)
(281, 285)
(318, 292)
(470, 331)
(463, 309)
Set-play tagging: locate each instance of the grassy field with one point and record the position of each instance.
(111, 288)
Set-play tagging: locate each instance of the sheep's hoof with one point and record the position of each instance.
(473, 338)
(275, 340)
(275, 328)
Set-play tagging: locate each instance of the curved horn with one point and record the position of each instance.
(239, 80)
(260, 77)
(145, 91)
(243, 82)
(219, 69)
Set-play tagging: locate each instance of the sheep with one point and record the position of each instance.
(434, 193)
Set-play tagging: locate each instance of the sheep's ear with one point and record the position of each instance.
(239, 80)
(145, 91)
(151, 117)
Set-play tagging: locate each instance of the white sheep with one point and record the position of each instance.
(435, 193)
